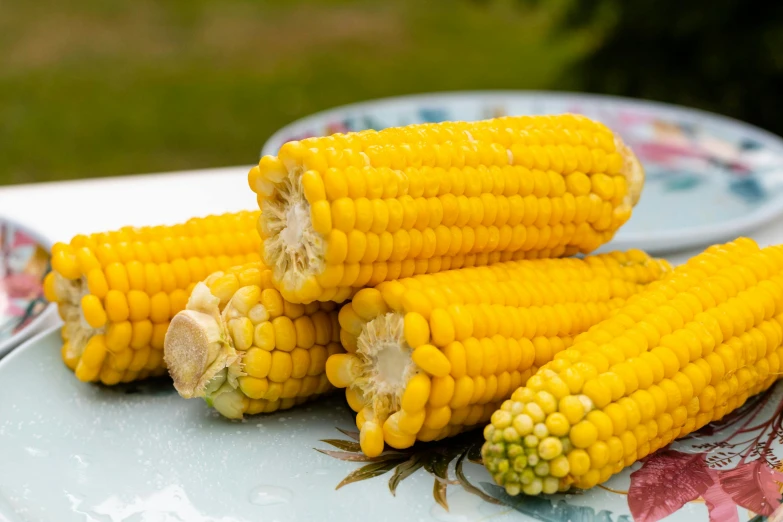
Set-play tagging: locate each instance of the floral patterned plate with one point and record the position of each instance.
(70, 451)
(24, 261)
(709, 178)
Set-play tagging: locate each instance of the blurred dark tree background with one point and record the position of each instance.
(108, 87)
(723, 55)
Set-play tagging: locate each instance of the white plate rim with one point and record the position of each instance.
(27, 345)
(658, 242)
(19, 338)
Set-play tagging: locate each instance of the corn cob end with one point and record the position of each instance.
(381, 368)
(634, 173)
(198, 352)
(82, 325)
(245, 350)
(291, 244)
(527, 448)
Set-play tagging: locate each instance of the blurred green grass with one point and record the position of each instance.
(108, 87)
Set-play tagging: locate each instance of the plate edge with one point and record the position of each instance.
(26, 345)
(266, 147)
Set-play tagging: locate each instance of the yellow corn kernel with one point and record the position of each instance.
(411, 422)
(304, 332)
(343, 214)
(417, 392)
(118, 336)
(160, 307)
(138, 305)
(96, 283)
(117, 309)
(122, 359)
(159, 336)
(84, 372)
(441, 327)
(342, 369)
(441, 391)
(318, 355)
(94, 352)
(253, 387)
(371, 438)
(355, 399)
(463, 392)
(394, 435)
(257, 362)
(272, 302)
(264, 336)
(455, 353)
(300, 359)
(281, 367)
(313, 186)
(350, 320)
(417, 330)
(241, 331)
(285, 333)
(431, 360)
(117, 277)
(64, 263)
(93, 311)
(369, 303)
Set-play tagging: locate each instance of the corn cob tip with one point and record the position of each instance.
(381, 366)
(376, 377)
(188, 342)
(295, 248)
(634, 173)
(84, 327)
(197, 349)
(688, 350)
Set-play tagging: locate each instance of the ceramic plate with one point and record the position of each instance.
(24, 261)
(709, 178)
(139, 453)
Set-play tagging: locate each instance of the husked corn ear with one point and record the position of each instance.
(686, 351)
(352, 210)
(245, 350)
(432, 355)
(116, 291)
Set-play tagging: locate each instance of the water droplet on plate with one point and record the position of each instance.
(270, 495)
(74, 500)
(81, 461)
(320, 471)
(463, 507)
(438, 513)
(36, 452)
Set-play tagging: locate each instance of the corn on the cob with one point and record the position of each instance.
(685, 352)
(434, 354)
(116, 291)
(352, 210)
(245, 350)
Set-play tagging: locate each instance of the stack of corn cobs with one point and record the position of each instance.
(426, 271)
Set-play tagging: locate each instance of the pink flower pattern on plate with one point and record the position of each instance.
(23, 265)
